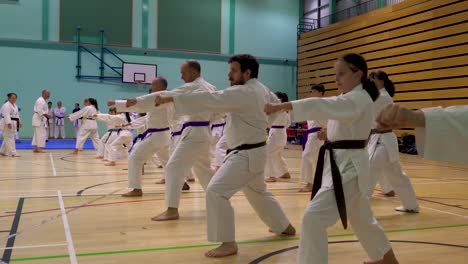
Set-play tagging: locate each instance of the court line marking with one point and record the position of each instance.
(212, 245)
(54, 172)
(426, 207)
(14, 228)
(35, 246)
(71, 247)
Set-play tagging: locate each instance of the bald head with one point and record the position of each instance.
(45, 94)
(158, 84)
(190, 71)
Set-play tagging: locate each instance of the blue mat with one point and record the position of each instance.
(53, 144)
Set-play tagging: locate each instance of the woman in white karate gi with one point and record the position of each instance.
(345, 168)
(383, 151)
(88, 127)
(312, 144)
(118, 148)
(9, 124)
(276, 166)
(111, 133)
(441, 133)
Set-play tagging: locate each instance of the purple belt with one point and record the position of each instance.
(277, 127)
(305, 136)
(190, 124)
(217, 125)
(147, 132)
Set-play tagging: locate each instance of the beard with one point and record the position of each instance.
(240, 81)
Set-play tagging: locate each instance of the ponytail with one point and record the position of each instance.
(383, 76)
(370, 88)
(93, 102)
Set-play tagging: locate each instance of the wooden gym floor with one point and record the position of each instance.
(68, 209)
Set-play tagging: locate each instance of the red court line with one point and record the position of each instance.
(137, 201)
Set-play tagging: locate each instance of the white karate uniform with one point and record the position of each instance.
(109, 136)
(193, 150)
(50, 124)
(217, 131)
(119, 146)
(311, 151)
(76, 126)
(277, 138)
(59, 124)
(9, 111)
(385, 160)
(88, 127)
(176, 128)
(39, 122)
(220, 151)
(445, 135)
(350, 118)
(153, 143)
(246, 123)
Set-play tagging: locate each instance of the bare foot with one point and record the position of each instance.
(169, 214)
(112, 163)
(286, 176)
(75, 152)
(99, 157)
(161, 181)
(270, 179)
(133, 193)
(186, 187)
(191, 180)
(307, 188)
(226, 249)
(389, 258)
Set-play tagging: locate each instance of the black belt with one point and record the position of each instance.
(336, 175)
(375, 131)
(246, 146)
(17, 122)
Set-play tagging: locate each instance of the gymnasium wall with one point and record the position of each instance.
(421, 44)
(33, 58)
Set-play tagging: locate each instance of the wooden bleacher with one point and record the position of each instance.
(421, 44)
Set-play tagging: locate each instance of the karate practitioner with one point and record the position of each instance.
(122, 142)
(243, 168)
(88, 126)
(312, 143)
(10, 123)
(59, 124)
(111, 133)
(176, 132)
(441, 133)
(77, 123)
(345, 168)
(383, 151)
(154, 140)
(50, 121)
(39, 122)
(276, 166)
(193, 150)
